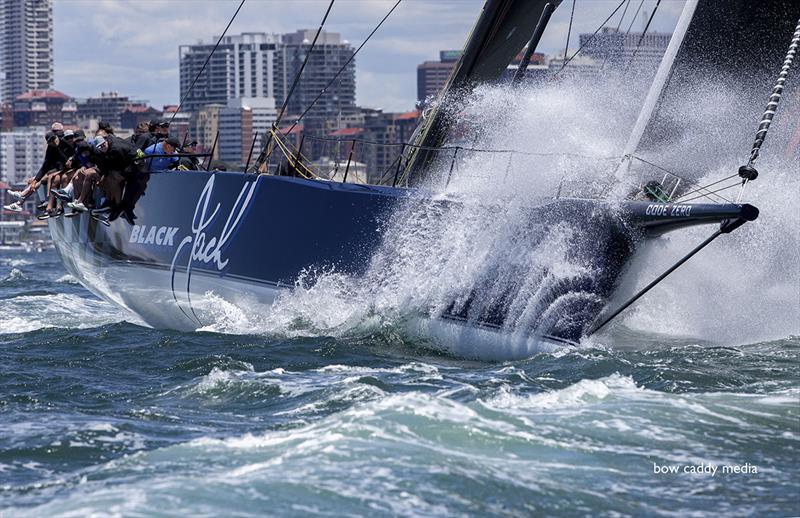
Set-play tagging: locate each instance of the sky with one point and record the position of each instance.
(132, 46)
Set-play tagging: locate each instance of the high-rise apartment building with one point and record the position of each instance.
(242, 66)
(330, 54)
(21, 154)
(26, 47)
(432, 75)
(263, 66)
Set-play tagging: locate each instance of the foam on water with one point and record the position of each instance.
(743, 288)
(471, 254)
(602, 434)
(27, 313)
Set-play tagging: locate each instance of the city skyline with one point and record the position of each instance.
(135, 48)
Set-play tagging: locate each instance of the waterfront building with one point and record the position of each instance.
(179, 121)
(536, 71)
(204, 127)
(580, 67)
(389, 131)
(330, 55)
(43, 107)
(133, 114)
(6, 117)
(432, 75)
(242, 66)
(376, 141)
(26, 47)
(109, 107)
(21, 154)
(240, 122)
(618, 49)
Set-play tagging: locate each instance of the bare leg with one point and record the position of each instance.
(112, 187)
(89, 178)
(53, 178)
(77, 183)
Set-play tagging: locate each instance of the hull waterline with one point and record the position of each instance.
(204, 243)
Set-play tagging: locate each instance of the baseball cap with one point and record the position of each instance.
(99, 141)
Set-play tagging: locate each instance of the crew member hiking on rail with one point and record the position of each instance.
(54, 159)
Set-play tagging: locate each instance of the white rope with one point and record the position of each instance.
(774, 99)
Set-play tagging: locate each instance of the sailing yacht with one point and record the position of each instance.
(247, 238)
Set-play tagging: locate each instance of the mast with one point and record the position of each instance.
(661, 78)
(732, 49)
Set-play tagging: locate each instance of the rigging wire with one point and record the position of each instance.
(343, 67)
(591, 38)
(196, 77)
(705, 188)
(644, 33)
(687, 180)
(266, 151)
(714, 192)
(569, 30)
(619, 24)
(303, 66)
(635, 15)
(624, 12)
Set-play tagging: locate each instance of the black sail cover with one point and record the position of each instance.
(721, 77)
(502, 30)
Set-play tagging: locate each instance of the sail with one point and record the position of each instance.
(709, 91)
(502, 30)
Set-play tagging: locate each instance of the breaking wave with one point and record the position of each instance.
(475, 252)
(414, 453)
(27, 313)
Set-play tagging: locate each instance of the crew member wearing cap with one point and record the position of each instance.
(58, 129)
(116, 161)
(165, 147)
(61, 178)
(189, 163)
(151, 137)
(54, 159)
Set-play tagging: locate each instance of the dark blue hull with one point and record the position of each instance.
(202, 240)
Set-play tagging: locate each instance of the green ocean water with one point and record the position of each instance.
(103, 416)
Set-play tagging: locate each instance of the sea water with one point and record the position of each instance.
(325, 405)
(101, 415)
